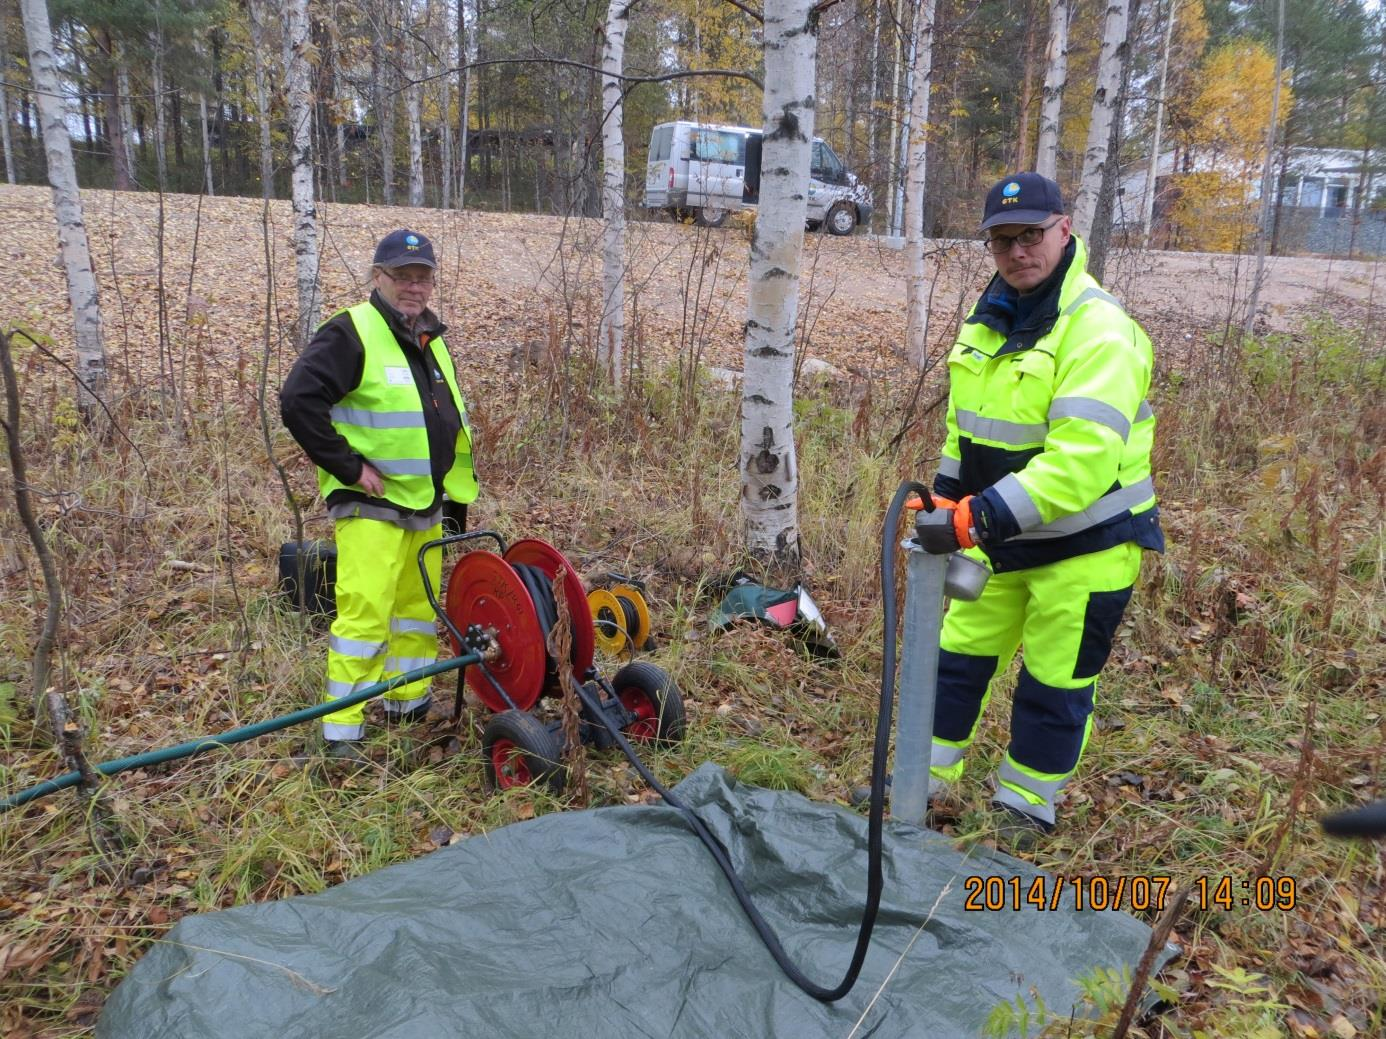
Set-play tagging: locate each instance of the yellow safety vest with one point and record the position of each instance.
(383, 420)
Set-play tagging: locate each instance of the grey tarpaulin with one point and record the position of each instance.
(616, 922)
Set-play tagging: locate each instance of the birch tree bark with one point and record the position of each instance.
(296, 85)
(115, 121)
(412, 105)
(67, 203)
(5, 140)
(259, 40)
(916, 290)
(127, 117)
(1253, 298)
(769, 468)
(1104, 100)
(612, 330)
(160, 129)
(1153, 172)
(465, 50)
(384, 104)
(1055, 76)
(206, 146)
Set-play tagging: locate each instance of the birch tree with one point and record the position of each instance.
(465, 50)
(5, 140)
(296, 83)
(1055, 76)
(72, 230)
(1153, 171)
(259, 39)
(412, 103)
(921, 79)
(383, 98)
(1104, 102)
(611, 333)
(769, 469)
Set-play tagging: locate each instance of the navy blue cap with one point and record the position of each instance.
(403, 247)
(1022, 198)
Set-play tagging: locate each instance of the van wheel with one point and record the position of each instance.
(841, 219)
(710, 217)
(813, 225)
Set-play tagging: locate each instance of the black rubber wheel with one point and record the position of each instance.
(841, 219)
(651, 694)
(710, 217)
(521, 751)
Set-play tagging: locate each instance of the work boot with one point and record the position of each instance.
(1020, 831)
(347, 755)
(410, 717)
(861, 795)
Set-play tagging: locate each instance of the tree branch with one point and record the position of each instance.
(48, 636)
(634, 81)
(754, 14)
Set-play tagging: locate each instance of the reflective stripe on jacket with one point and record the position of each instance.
(1056, 436)
(383, 419)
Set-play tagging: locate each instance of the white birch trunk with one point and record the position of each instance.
(67, 203)
(916, 291)
(1153, 173)
(445, 144)
(1267, 188)
(297, 89)
(1055, 76)
(1104, 99)
(612, 330)
(206, 146)
(465, 46)
(127, 117)
(412, 103)
(259, 40)
(6, 141)
(769, 469)
(160, 129)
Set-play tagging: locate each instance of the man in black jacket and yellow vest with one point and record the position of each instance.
(373, 400)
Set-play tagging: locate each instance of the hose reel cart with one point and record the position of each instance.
(506, 597)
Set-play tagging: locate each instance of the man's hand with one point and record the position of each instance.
(371, 481)
(946, 529)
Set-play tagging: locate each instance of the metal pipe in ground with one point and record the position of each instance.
(914, 730)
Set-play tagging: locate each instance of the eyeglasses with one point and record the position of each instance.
(418, 283)
(1001, 243)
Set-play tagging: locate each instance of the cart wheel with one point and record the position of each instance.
(650, 693)
(521, 751)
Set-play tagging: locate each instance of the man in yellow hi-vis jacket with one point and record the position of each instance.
(1046, 471)
(373, 400)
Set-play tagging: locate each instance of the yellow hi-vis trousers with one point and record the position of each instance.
(384, 624)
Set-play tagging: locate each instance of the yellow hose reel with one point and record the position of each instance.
(620, 618)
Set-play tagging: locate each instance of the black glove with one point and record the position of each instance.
(454, 518)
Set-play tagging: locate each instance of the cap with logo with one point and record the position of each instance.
(403, 247)
(1023, 198)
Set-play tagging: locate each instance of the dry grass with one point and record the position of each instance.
(1267, 610)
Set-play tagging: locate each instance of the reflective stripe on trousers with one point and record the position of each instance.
(384, 625)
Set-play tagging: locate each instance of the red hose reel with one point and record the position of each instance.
(486, 590)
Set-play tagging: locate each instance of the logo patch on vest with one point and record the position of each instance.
(398, 376)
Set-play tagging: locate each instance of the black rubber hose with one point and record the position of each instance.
(875, 818)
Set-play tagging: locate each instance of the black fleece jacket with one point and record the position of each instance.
(330, 367)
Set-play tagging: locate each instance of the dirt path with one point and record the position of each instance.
(507, 288)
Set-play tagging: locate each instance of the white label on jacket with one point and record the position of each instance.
(399, 376)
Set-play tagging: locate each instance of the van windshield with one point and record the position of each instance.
(717, 146)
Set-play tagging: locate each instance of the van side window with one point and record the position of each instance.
(717, 146)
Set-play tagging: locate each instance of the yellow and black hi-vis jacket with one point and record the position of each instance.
(1048, 422)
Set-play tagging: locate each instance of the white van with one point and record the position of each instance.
(711, 171)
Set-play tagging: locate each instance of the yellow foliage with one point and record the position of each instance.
(1225, 135)
(714, 34)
